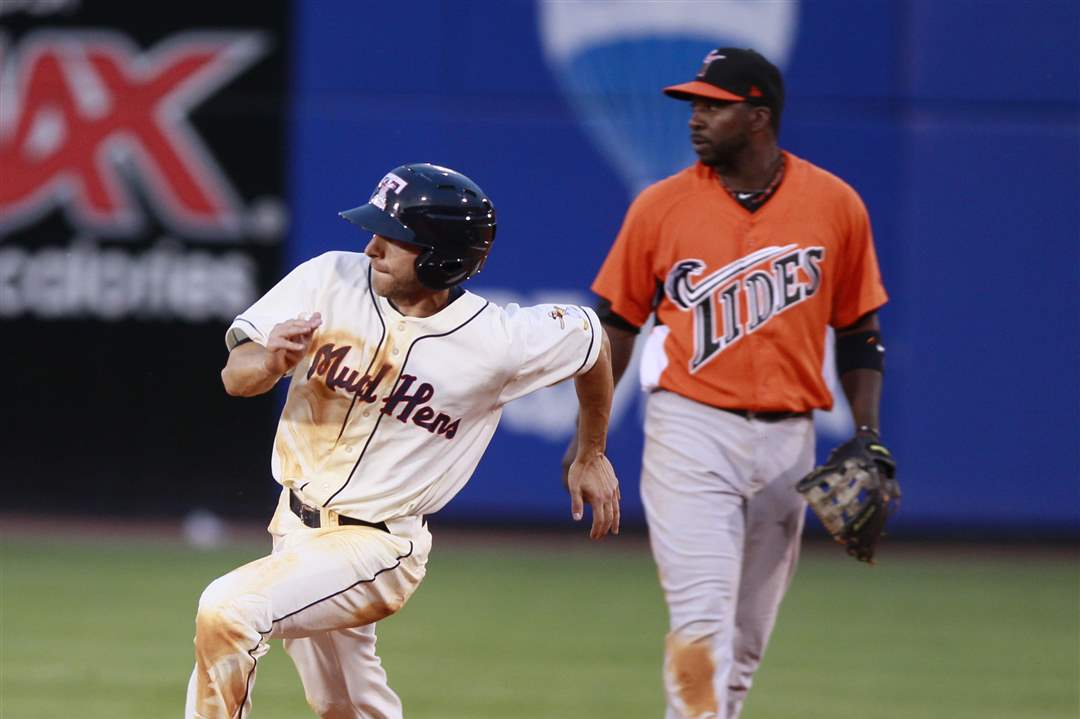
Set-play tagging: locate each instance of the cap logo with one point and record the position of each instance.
(709, 59)
(390, 183)
(755, 91)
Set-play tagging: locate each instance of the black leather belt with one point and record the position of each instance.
(766, 416)
(312, 518)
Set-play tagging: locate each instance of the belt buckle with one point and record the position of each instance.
(328, 518)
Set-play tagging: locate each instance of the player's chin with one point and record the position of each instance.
(381, 283)
(705, 152)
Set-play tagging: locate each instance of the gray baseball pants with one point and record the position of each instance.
(725, 523)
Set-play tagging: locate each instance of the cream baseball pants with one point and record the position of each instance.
(321, 591)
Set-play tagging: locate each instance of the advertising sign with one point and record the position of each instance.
(141, 208)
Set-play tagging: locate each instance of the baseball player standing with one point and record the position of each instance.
(398, 378)
(745, 258)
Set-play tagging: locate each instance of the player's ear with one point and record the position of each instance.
(760, 118)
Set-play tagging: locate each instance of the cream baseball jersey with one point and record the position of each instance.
(387, 415)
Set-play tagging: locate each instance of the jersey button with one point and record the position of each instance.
(397, 351)
(348, 449)
(401, 326)
(367, 412)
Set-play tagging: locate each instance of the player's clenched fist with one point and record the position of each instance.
(289, 342)
(592, 480)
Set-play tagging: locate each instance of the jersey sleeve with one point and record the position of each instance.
(859, 288)
(295, 295)
(626, 278)
(549, 343)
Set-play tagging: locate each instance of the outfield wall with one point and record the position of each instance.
(958, 122)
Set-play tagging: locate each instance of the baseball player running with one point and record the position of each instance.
(744, 258)
(398, 378)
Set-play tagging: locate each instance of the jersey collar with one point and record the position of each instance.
(447, 319)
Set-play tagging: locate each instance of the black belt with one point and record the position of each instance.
(766, 416)
(312, 518)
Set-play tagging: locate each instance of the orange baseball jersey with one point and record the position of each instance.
(744, 298)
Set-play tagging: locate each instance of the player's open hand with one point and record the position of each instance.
(591, 480)
(289, 342)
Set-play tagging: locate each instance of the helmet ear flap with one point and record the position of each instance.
(436, 273)
(425, 270)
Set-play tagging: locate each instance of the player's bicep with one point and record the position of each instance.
(550, 344)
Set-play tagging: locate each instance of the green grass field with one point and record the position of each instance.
(102, 629)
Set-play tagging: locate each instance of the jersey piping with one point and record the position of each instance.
(241, 319)
(592, 339)
(382, 338)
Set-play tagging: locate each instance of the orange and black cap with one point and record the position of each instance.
(735, 75)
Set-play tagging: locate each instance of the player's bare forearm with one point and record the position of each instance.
(619, 346)
(245, 374)
(862, 387)
(590, 477)
(253, 369)
(595, 389)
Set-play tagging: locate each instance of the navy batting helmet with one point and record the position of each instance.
(437, 209)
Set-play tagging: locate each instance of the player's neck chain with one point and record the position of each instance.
(754, 199)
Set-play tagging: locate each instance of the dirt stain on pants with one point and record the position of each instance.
(690, 669)
(226, 650)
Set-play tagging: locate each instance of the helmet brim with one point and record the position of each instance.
(372, 219)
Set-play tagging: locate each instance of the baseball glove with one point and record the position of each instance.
(853, 494)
